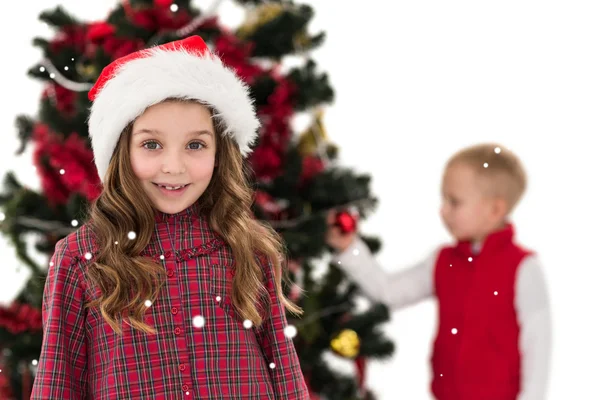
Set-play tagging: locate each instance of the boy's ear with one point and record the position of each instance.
(500, 207)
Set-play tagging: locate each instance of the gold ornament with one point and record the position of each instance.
(346, 344)
(301, 41)
(313, 138)
(86, 70)
(259, 16)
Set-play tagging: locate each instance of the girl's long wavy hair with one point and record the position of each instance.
(126, 280)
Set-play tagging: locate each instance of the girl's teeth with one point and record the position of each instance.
(172, 187)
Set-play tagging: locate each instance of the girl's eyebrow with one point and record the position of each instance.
(159, 133)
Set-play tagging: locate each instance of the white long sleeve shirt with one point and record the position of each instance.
(416, 283)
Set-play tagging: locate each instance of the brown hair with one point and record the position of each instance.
(501, 170)
(127, 280)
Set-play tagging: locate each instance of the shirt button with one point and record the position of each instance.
(170, 273)
(181, 367)
(185, 388)
(174, 310)
(177, 331)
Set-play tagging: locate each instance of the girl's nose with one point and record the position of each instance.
(173, 164)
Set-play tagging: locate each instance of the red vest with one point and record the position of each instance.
(476, 352)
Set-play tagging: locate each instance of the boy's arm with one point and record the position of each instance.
(533, 313)
(62, 367)
(396, 290)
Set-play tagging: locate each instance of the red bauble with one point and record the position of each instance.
(163, 3)
(346, 221)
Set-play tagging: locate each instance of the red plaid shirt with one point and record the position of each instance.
(82, 358)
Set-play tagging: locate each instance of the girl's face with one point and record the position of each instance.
(172, 151)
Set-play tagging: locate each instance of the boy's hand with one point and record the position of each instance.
(335, 237)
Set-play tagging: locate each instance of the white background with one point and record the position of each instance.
(415, 81)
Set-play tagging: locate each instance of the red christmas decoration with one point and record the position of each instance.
(71, 36)
(266, 162)
(156, 18)
(19, 318)
(74, 157)
(99, 30)
(102, 34)
(163, 3)
(51, 183)
(267, 159)
(64, 99)
(276, 115)
(311, 167)
(346, 221)
(118, 47)
(235, 54)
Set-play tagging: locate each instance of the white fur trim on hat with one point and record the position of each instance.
(143, 82)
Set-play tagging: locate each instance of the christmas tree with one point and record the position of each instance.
(296, 176)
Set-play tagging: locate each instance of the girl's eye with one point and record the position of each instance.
(153, 145)
(150, 143)
(199, 144)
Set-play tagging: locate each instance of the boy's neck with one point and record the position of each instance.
(478, 241)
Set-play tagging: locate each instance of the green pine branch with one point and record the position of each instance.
(57, 18)
(285, 34)
(24, 125)
(312, 89)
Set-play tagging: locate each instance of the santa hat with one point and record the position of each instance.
(183, 69)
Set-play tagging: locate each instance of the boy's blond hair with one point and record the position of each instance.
(501, 170)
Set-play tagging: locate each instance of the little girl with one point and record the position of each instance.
(171, 290)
